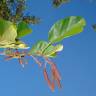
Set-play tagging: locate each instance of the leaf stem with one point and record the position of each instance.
(50, 43)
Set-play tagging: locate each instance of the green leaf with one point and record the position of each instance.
(38, 47)
(52, 55)
(20, 45)
(44, 49)
(23, 29)
(65, 28)
(53, 49)
(8, 32)
(14, 45)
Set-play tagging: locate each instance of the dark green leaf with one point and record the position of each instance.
(23, 30)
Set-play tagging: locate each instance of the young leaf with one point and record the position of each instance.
(13, 45)
(52, 50)
(23, 29)
(44, 49)
(8, 32)
(65, 28)
(38, 47)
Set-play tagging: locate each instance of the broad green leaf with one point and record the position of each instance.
(53, 49)
(23, 29)
(52, 55)
(8, 32)
(65, 28)
(45, 49)
(38, 47)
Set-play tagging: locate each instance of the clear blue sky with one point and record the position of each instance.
(77, 62)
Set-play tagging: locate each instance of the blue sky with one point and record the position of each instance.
(76, 63)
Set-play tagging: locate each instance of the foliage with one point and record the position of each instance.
(65, 28)
(9, 34)
(50, 50)
(14, 25)
(23, 29)
(58, 3)
(62, 29)
(7, 31)
(16, 15)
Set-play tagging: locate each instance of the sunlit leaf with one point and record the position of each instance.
(38, 47)
(23, 29)
(8, 32)
(53, 49)
(13, 45)
(45, 49)
(20, 45)
(53, 55)
(65, 28)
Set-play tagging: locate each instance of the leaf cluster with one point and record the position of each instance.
(57, 3)
(62, 29)
(14, 25)
(10, 34)
(13, 10)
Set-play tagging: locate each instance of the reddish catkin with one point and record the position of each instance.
(58, 82)
(20, 61)
(53, 66)
(51, 85)
(55, 74)
(8, 58)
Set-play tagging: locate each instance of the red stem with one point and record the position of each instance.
(36, 60)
